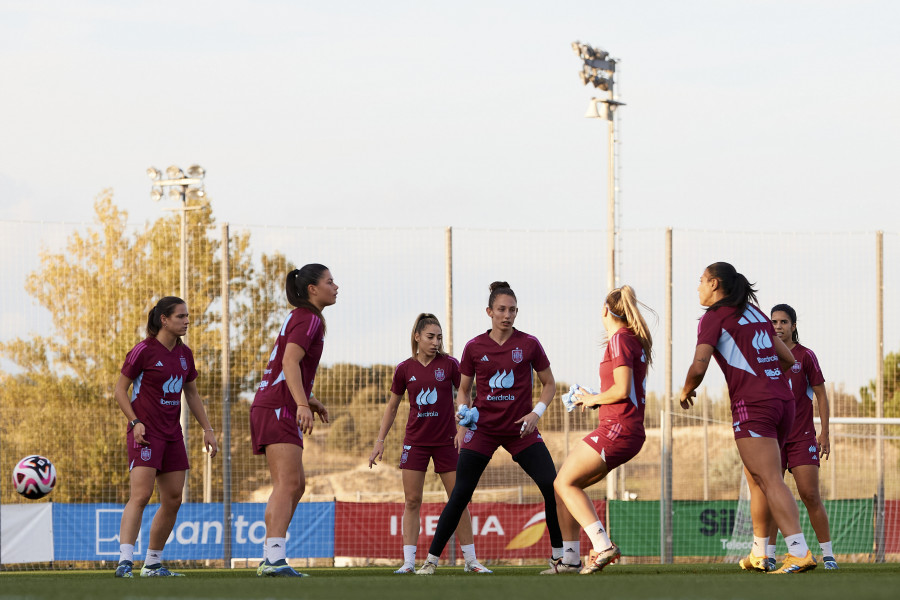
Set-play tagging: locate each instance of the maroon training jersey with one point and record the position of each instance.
(158, 375)
(430, 389)
(803, 376)
(624, 350)
(301, 327)
(503, 379)
(745, 352)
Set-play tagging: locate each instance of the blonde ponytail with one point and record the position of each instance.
(623, 303)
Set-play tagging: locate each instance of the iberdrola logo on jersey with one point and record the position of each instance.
(531, 533)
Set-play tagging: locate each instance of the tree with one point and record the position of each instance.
(891, 382)
(98, 292)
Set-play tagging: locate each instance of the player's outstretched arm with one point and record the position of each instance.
(387, 421)
(695, 374)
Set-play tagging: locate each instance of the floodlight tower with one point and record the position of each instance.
(598, 69)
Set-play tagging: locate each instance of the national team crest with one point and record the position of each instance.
(796, 367)
(145, 454)
(517, 355)
(439, 374)
(184, 363)
(469, 435)
(405, 455)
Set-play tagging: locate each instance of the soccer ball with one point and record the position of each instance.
(34, 477)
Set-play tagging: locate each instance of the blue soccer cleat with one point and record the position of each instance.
(124, 569)
(158, 571)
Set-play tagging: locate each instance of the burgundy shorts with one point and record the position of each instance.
(800, 452)
(614, 447)
(485, 443)
(273, 426)
(415, 458)
(771, 419)
(163, 455)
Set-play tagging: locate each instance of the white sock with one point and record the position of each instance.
(432, 558)
(770, 551)
(796, 545)
(826, 548)
(556, 553)
(126, 552)
(409, 555)
(275, 550)
(599, 537)
(264, 550)
(468, 552)
(572, 552)
(154, 557)
(759, 545)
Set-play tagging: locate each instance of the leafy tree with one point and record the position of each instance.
(891, 382)
(98, 291)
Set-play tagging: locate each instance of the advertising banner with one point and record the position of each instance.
(26, 533)
(91, 531)
(501, 530)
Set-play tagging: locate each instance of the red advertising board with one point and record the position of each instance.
(892, 526)
(506, 531)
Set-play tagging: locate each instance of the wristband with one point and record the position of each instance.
(539, 409)
(134, 422)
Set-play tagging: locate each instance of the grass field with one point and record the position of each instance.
(697, 582)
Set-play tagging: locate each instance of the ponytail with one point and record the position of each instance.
(422, 321)
(738, 290)
(623, 304)
(296, 287)
(165, 307)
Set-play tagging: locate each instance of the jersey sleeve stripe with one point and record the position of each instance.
(314, 323)
(135, 352)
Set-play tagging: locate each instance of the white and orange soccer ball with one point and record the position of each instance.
(34, 477)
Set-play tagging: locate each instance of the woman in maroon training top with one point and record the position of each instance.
(620, 434)
(283, 408)
(428, 378)
(501, 362)
(158, 369)
(803, 449)
(741, 337)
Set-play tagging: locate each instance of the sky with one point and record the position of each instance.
(740, 115)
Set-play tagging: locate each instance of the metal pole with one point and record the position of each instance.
(611, 242)
(704, 404)
(182, 292)
(666, 521)
(879, 395)
(448, 333)
(226, 401)
(832, 471)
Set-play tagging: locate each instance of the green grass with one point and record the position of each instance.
(696, 582)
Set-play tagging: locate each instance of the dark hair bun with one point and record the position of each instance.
(499, 285)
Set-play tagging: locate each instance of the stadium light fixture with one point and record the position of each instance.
(183, 188)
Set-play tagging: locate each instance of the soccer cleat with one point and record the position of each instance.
(427, 569)
(830, 563)
(598, 560)
(279, 568)
(473, 566)
(792, 564)
(752, 562)
(558, 566)
(405, 569)
(158, 571)
(125, 567)
(770, 564)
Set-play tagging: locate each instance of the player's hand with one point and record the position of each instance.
(687, 398)
(585, 400)
(529, 424)
(458, 439)
(139, 432)
(824, 445)
(209, 442)
(305, 418)
(377, 454)
(316, 406)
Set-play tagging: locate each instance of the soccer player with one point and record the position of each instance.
(802, 450)
(157, 369)
(620, 433)
(428, 378)
(750, 355)
(282, 411)
(501, 363)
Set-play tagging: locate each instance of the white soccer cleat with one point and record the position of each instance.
(557, 566)
(405, 569)
(427, 569)
(473, 566)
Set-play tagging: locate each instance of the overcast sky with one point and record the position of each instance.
(740, 115)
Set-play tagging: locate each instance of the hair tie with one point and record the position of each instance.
(614, 314)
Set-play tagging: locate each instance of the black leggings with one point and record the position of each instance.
(535, 460)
